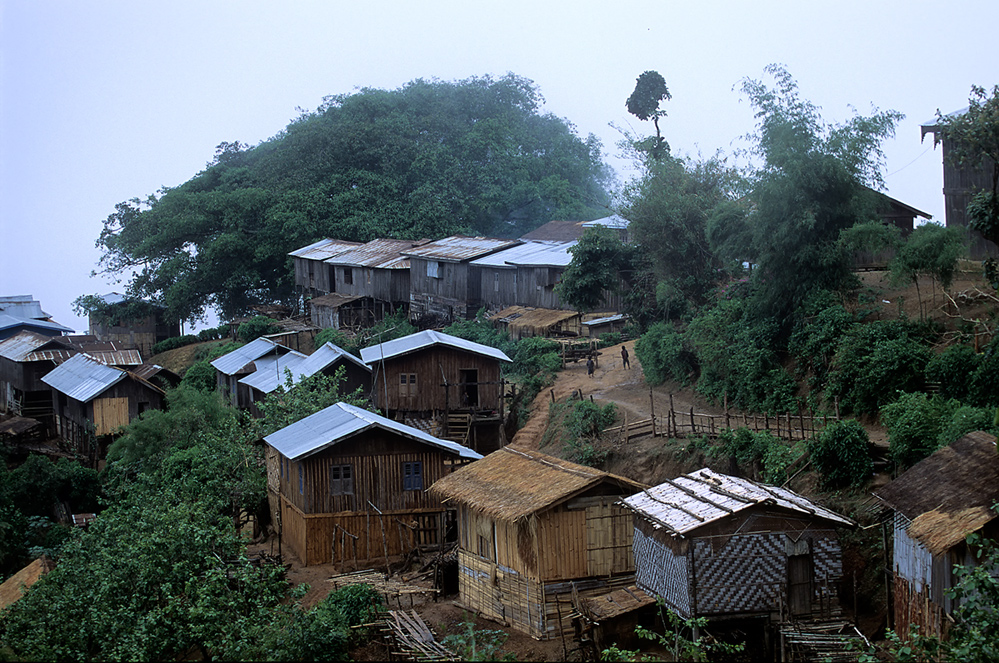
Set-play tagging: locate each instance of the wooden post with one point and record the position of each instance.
(766, 422)
(652, 407)
(725, 400)
(693, 430)
(672, 416)
(381, 519)
(836, 404)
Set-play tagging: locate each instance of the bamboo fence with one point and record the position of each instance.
(675, 423)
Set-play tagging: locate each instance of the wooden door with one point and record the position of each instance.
(799, 584)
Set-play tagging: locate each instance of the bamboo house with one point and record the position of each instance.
(533, 531)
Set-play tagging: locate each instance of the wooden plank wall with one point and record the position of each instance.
(431, 367)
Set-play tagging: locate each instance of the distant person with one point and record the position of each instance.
(589, 366)
(624, 357)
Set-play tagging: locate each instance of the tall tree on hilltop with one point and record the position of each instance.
(430, 159)
(650, 91)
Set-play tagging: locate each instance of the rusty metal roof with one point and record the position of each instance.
(378, 253)
(117, 357)
(693, 500)
(458, 248)
(323, 249)
(19, 346)
(53, 355)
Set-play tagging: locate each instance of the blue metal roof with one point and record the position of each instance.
(83, 378)
(425, 339)
(342, 421)
(8, 321)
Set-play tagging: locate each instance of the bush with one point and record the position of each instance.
(480, 330)
(874, 362)
(214, 333)
(952, 369)
(665, 355)
(201, 376)
(173, 343)
(744, 445)
(914, 422)
(574, 426)
(964, 420)
(778, 457)
(984, 390)
(255, 327)
(840, 455)
(337, 338)
(815, 339)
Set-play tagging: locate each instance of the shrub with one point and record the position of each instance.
(840, 455)
(984, 388)
(778, 457)
(574, 426)
(952, 369)
(337, 338)
(201, 376)
(875, 361)
(480, 330)
(214, 333)
(173, 343)
(255, 327)
(814, 340)
(964, 420)
(665, 355)
(913, 422)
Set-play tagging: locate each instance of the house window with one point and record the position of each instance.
(301, 480)
(348, 275)
(412, 476)
(433, 269)
(407, 386)
(496, 282)
(341, 480)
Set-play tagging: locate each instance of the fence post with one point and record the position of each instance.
(693, 428)
(672, 415)
(652, 404)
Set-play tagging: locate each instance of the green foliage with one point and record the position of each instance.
(430, 159)
(975, 636)
(536, 361)
(476, 644)
(200, 375)
(874, 361)
(597, 260)
(190, 412)
(665, 355)
(777, 458)
(913, 423)
(841, 456)
(337, 338)
(255, 327)
(112, 315)
(931, 250)
(574, 426)
(951, 370)
(984, 389)
(173, 343)
(389, 328)
(810, 187)
(870, 237)
(214, 333)
(650, 91)
(669, 210)
(744, 445)
(816, 337)
(966, 419)
(480, 330)
(678, 638)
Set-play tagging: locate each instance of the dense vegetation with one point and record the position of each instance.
(430, 159)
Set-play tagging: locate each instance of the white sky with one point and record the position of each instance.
(106, 100)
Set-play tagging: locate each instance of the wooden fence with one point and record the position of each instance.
(681, 424)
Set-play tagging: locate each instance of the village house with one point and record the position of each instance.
(533, 532)
(523, 275)
(444, 285)
(431, 375)
(297, 366)
(230, 368)
(961, 181)
(140, 333)
(92, 401)
(351, 486)
(718, 546)
(313, 277)
(935, 505)
(522, 322)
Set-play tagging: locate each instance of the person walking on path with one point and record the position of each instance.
(624, 357)
(589, 366)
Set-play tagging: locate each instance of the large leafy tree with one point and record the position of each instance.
(597, 261)
(814, 180)
(429, 159)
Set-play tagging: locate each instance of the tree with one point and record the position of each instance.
(973, 140)
(430, 159)
(931, 250)
(597, 261)
(812, 184)
(650, 91)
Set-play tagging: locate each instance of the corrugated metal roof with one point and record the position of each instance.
(56, 356)
(613, 221)
(342, 421)
(537, 254)
(696, 499)
(267, 379)
(378, 253)
(232, 362)
(559, 231)
(458, 248)
(83, 378)
(323, 249)
(8, 321)
(425, 339)
(19, 346)
(602, 321)
(117, 357)
(270, 371)
(23, 306)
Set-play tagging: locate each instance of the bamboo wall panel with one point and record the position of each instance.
(609, 533)
(562, 545)
(110, 414)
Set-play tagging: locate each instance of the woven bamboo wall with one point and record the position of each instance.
(110, 414)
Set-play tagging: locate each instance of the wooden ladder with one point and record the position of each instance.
(459, 425)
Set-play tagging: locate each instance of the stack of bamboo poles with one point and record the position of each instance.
(409, 638)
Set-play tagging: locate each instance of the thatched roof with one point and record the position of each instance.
(14, 587)
(949, 494)
(536, 321)
(511, 484)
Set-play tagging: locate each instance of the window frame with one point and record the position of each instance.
(412, 475)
